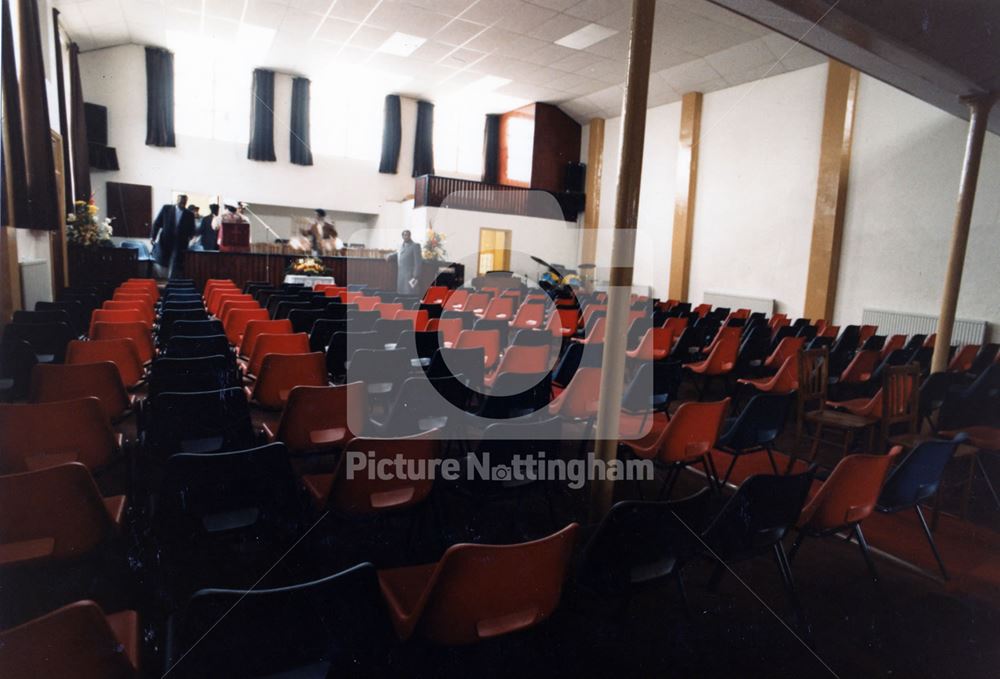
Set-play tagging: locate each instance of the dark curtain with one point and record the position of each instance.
(491, 149)
(159, 97)
(423, 143)
(78, 133)
(299, 147)
(392, 135)
(262, 116)
(43, 203)
(63, 119)
(15, 182)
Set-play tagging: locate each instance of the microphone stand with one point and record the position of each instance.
(271, 231)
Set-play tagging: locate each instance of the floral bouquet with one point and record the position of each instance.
(434, 245)
(307, 266)
(83, 228)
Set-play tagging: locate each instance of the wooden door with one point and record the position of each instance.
(494, 250)
(131, 208)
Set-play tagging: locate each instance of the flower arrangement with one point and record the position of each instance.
(83, 227)
(434, 244)
(307, 266)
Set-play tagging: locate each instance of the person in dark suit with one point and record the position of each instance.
(208, 230)
(172, 230)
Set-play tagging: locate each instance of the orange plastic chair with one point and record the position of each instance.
(224, 298)
(724, 331)
(963, 359)
(578, 401)
(787, 347)
(321, 418)
(258, 327)
(720, 360)
(138, 332)
(489, 340)
(829, 331)
(230, 305)
(860, 368)
(500, 309)
(148, 284)
(930, 340)
(457, 299)
(865, 332)
(330, 290)
(436, 294)
(117, 316)
(676, 325)
(280, 373)
(478, 592)
(214, 298)
(388, 309)
(563, 322)
(40, 435)
(529, 316)
(450, 329)
(54, 513)
(477, 302)
(295, 343)
(78, 640)
(236, 322)
(367, 494)
(589, 311)
(846, 498)
(655, 345)
(51, 382)
(522, 360)
(778, 321)
(702, 310)
(785, 381)
(145, 313)
(367, 303)
(688, 437)
(417, 316)
(132, 295)
(597, 332)
(129, 289)
(892, 344)
(122, 352)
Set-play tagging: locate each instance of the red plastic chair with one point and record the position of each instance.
(280, 373)
(688, 437)
(436, 294)
(416, 316)
(846, 498)
(321, 418)
(892, 344)
(457, 299)
(597, 332)
(231, 305)
(489, 340)
(589, 311)
(778, 321)
(388, 310)
(476, 302)
(860, 368)
(117, 316)
(726, 331)
(529, 316)
(655, 345)
(578, 401)
(295, 343)
(258, 327)
(930, 340)
(217, 296)
(785, 381)
(702, 310)
(122, 352)
(675, 325)
(865, 332)
(478, 592)
(366, 303)
(40, 435)
(963, 359)
(148, 284)
(145, 313)
(499, 309)
(366, 493)
(66, 382)
(787, 348)
(78, 640)
(720, 360)
(54, 514)
(563, 322)
(236, 322)
(522, 360)
(138, 332)
(829, 331)
(450, 329)
(126, 295)
(229, 300)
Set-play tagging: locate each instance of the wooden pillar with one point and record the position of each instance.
(979, 113)
(595, 170)
(57, 238)
(10, 274)
(633, 132)
(831, 190)
(684, 196)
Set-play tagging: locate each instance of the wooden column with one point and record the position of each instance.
(595, 170)
(684, 196)
(831, 190)
(58, 258)
(10, 274)
(979, 113)
(633, 133)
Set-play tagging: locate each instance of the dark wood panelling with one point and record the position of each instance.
(241, 267)
(92, 265)
(465, 194)
(557, 142)
(131, 208)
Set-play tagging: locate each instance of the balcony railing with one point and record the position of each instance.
(464, 194)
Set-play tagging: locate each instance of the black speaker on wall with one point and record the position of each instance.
(575, 178)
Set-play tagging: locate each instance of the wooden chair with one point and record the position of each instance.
(901, 406)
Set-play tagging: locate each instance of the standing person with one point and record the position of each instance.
(172, 230)
(408, 260)
(208, 230)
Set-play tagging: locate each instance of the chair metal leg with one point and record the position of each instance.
(770, 457)
(799, 539)
(668, 483)
(930, 539)
(785, 568)
(865, 552)
(730, 470)
(986, 477)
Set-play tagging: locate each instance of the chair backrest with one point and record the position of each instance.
(316, 418)
(197, 422)
(73, 641)
(488, 340)
(917, 477)
(501, 308)
(44, 338)
(478, 591)
(17, 360)
(450, 329)
(78, 315)
(267, 343)
(54, 513)
(122, 352)
(580, 397)
(759, 424)
(722, 358)
(787, 347)
(202, 373)
(70, 381)
(340, 618)
(861, 367)
(525, 359)
(963, 359)
(235, 322)
(813, 376)
(849, 494)
(280, 373)
(257, 327)
(901, 398)
(137, 331)
(41, 435)
(469, 363)
(529, 315)
(362, 492)
(322, 332)
(692, 431)
(38, 316)
(117, 316)
(184, 346)
(145, 312)
(894, 343)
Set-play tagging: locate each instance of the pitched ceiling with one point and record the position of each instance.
(697, 45)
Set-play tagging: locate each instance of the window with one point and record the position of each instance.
(458, 140)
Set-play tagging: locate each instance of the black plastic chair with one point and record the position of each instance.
(934, 389)
(501, 326)
(873, 343)
(284, 308)
(335, 626)
(688, 345)
(916, 341)
(17, 358)
(197, 422)
(917, 479)
(755, 429)
(78, 316)
(48, 316)
(322, 331)
(468, 318)
(342, 346)
(421, 405)
(653, 387)
(171, 316)
(577, 356)
(184, 346)
(979, 403)
(362, 321)
(48, 340)
(389, 330)
(469, 363)
(985, 357)
(206, 373)
(515, 395)
(198, 328)
(382, 370)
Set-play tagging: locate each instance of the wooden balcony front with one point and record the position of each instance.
(464, 194)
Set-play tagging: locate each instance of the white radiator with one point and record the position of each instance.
(754, 304)
(36, 282)
(899, 323)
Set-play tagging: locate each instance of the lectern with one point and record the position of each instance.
(234, 236)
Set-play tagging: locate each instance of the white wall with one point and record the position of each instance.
(905, 169)
(116, 78)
